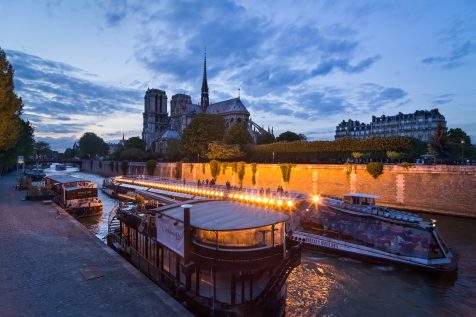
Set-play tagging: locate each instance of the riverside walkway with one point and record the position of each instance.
(50, 265)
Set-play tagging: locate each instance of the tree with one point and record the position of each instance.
(23, 146)
(42, 150)
(439, 140)
(265, 138)
(237, 134)
(203, 129)
(218, 151)
(150, 166)
(135, 142)
(10, 106)
(289, 136)
(133, 154)
(394, 155)
(456, 135)
(90, 145)
(172, 151)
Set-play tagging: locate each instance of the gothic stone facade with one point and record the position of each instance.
(420, 125)
(159, 128)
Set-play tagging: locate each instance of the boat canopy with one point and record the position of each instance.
(224, 215)
(360, 199)
(361, 196)
(64, 179)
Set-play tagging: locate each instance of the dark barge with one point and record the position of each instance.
(220, 258)
(77, 196)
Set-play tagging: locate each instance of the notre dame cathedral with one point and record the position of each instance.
(160, 128)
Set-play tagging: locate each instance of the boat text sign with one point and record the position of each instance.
(170, 233)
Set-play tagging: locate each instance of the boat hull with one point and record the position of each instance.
(327, 244)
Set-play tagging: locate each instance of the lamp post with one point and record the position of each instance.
(462, 151)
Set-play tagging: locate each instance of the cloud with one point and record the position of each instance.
(326, 67)
(56, 91)
(443, 99)
(58, 144)
(455, 58)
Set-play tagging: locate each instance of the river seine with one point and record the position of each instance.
(330, 285)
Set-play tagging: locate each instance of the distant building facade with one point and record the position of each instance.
(421, 124)
(159, 128)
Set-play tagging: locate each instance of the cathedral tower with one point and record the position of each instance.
(155, 117)
(204, 102)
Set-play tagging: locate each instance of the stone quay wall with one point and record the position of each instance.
(437, 189)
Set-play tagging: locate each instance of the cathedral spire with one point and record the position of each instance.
(204, 100)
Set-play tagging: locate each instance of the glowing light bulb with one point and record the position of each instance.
(290, 203)
(265, 200)
(280, 202)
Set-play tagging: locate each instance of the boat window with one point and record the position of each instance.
(370, 232)
(249, 238)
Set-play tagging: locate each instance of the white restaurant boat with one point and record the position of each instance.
(355, 225)
(76, 195)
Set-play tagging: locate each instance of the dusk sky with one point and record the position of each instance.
(302, 66)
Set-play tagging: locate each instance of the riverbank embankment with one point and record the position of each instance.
(50, 265)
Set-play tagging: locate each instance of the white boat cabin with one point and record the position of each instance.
(360, 199)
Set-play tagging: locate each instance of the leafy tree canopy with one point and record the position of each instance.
(203, 129)
(289, 136)
(456, 135)
(133, 154)
(10, 106)
(237, 134)
(265, 138)
(218, 151)
(439, 140)
(90, 145)
(135, 142)
(42, 150)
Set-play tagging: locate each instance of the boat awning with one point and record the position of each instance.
(361, 196)
(222, 215)
(63, 179)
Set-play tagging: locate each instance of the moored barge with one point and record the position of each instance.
(355, 225)
(77, 196)
(221, 258)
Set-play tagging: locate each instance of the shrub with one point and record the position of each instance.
(406, 165)
(241, 172)
(286, 171)
(253, 169)
(150, 166)
(375, 169)
(214, 168)
(234, 167)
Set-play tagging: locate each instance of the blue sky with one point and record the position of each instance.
(301, 65)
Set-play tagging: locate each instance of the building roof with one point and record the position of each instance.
(170, 135)
(224, 215)
(231, 105)
(63, 179)
(361, 195)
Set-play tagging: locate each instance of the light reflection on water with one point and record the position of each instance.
(331, 285)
